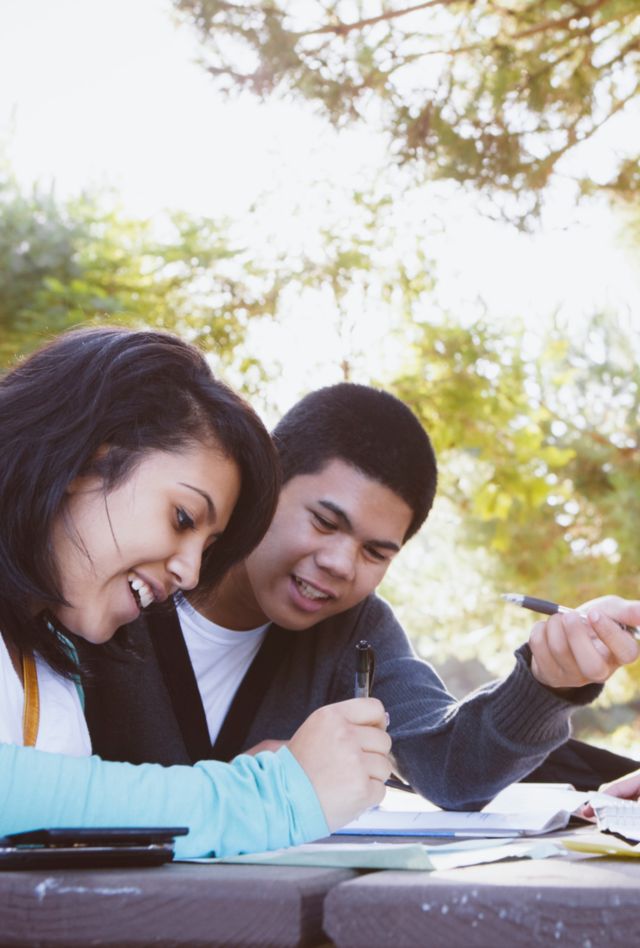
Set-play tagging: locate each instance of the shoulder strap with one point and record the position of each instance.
(242, 712)
(180, 680)
(31, 707)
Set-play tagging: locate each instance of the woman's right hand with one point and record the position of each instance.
(344, 750)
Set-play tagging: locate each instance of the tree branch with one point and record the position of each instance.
(553, 24)
(341, 29)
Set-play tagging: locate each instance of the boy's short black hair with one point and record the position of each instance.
(370, 429)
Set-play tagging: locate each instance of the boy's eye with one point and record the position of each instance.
(322, 522)
(375, 554)
(185, 522)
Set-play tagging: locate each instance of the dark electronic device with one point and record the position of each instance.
(91, 847)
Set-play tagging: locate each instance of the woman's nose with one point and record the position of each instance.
(185, 566)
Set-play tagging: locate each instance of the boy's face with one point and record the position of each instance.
(329, 545)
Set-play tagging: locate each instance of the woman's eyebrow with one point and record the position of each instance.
(211, 507)
(347, 525)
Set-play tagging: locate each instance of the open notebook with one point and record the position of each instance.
(522, 809)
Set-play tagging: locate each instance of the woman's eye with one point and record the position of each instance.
(185, 522)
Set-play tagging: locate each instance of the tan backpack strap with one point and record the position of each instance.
(31, 711)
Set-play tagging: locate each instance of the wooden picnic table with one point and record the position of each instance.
(173, 905)
(586, 903)
(572, 903)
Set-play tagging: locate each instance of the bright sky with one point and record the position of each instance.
(108, 92)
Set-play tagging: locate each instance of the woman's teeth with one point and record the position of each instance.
(142, 592)
(309, 592)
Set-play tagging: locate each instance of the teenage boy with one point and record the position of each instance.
(240, 667)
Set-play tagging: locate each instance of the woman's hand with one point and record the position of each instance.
(344, 750)
(267, 745)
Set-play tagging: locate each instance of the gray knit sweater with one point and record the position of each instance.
(459, 754)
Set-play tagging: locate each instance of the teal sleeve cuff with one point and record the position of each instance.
(310, 820)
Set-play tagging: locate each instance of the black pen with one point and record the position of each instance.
(551, 608)
(365, 662)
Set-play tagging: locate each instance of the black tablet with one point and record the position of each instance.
(93, 847)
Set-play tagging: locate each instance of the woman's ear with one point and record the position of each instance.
(85, 482)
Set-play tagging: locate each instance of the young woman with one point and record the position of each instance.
(128, 473)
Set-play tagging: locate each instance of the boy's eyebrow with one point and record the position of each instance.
(346, 523)
(211, 507)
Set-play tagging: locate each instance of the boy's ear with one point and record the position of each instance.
(83, 482)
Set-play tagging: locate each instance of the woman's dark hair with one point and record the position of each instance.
(135, 392)
(369, 429)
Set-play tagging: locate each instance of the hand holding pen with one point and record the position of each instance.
(585, 646)
(365, 666)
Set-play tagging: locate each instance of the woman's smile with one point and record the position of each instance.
(119, 552)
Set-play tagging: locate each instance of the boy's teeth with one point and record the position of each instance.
(309, 591)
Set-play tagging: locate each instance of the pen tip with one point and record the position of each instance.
(511, 597)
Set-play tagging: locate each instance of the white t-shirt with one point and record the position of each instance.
(62, 728)
(220, 658)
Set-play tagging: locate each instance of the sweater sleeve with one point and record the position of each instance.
(250, 805)
(459, 754)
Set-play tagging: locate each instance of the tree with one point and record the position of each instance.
(63, 263)
(481, 91)
(540, 451)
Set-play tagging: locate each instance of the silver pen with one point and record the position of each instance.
(547, 608)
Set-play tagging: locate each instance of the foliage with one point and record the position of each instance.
(539, 451)
(364, 270)
(477, 91)
(63, 263)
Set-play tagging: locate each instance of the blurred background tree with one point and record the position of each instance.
(495, 94)
(67, 262)
(553, 439)
(538, 439)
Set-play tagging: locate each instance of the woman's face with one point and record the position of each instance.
(118, 552)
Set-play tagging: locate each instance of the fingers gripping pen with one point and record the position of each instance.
(547, 608)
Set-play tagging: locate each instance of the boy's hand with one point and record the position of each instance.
(570, 651)
(627, 788)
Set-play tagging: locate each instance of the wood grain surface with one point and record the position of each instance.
(173, 905)
(583, 903)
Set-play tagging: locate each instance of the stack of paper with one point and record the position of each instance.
(414, 856)
(520, 810)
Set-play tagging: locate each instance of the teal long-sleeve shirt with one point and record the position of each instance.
(250, 805)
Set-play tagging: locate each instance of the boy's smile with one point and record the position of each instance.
(328, 547)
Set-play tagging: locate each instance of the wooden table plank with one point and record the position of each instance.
(581, 903)
(175, 905)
